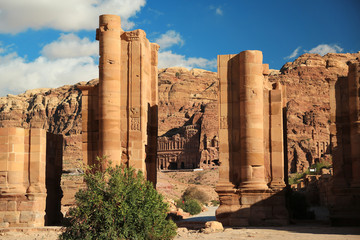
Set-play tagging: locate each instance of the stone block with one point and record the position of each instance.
(11, 205)
(26, 205)
(26, 216)
(4, 148)
(3, 205)
(11, 217)
(275, 96)
(260, 213)
(250, 199)
(280, 212)
(4, 224)
(4, 132)
(236, 222)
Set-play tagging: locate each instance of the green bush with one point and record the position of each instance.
(191, 206)
(295, 177)
(195, 193)
(215, 202)
(118, 204)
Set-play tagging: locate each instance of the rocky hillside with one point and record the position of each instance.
(183, 95)
(56, 110)
(308, 107)
(191, 96)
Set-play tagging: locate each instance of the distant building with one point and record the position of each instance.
(180, 151)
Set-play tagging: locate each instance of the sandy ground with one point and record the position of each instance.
(283, 233)
(278, 233)
(291, 232)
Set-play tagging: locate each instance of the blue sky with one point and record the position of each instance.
(52, 43)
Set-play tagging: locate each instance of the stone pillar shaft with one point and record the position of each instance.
(336, 137)
(109, 87)
(252, 120)
(225, 103)
(354, 111)
(277, 137)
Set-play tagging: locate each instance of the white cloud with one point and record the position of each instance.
(323, 49)
(169, 39)
(218, 11)
(70, 46)
(64, 15)
(293, 54)
(51, 70)
(170, 59)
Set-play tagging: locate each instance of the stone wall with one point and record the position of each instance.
(30, 175)
(22, 177)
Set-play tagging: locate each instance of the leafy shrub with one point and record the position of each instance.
(294, 178)
(118, 204)
(215, 202)
(195, 193)
(191, 206)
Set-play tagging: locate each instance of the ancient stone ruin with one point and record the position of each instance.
(30, 171)
(344, 202)
(263, 131)
(251, 182)
(120, 113)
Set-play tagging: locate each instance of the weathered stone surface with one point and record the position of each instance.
(120, 113)
(213, 227)
(187, 98)
(308, 104)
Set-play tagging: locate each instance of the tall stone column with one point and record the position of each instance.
(336, 137)
(252, 120)
(354, 110)
(225, 103)
(277, 137)
(108, 35)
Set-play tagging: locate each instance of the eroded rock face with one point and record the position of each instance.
(188, 98)
(308, 107)
(183, 93)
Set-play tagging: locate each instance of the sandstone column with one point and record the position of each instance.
(276, 137)
(336, 137)
(252, 120)
(354, 110)
(109, 87)
(225, 101)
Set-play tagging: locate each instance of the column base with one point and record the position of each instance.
(253, 207)
(256, 185)
(355, 184)
(345, 210)
(277, 185)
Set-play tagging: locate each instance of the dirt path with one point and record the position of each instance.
(275, 233)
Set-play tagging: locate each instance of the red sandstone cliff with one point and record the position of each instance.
(190, 97)
(308, 116)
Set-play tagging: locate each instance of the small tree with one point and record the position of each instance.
(118, 203)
